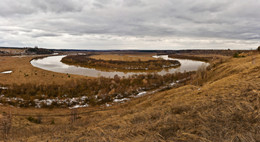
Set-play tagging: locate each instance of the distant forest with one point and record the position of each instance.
(37, 50)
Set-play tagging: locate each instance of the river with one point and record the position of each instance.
(53, 63)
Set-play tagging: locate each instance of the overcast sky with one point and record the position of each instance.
(131, 24)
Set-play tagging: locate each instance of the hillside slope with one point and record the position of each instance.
(225, 108)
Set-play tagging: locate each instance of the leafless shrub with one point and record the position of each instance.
(74, 115)
(6, 125)
(201, 74)
(37, 120)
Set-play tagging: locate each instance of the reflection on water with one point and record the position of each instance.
(53, 63)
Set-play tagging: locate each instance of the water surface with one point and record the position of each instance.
(53, 63)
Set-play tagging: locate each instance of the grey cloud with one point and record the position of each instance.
(58, 5)
(133, 3)
(27, 7)
(13, 7)
(200, 19)
(45, 35)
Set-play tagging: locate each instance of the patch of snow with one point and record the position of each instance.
(141, 94)
(108, 105)
(49, 102)
(17, 99)
(3, 88)
(78, 106)
(83, 98)
(121, 100)
(172, 84)
(165, 57)
(7, 72)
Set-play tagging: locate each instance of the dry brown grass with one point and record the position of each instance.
(201, 57)
(24, 72)
(124, 57)
(226, 107)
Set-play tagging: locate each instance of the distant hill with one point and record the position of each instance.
(24, 51)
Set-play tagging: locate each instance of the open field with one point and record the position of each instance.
(122, 65)
(24, 72)
(200, 57)
(124, 57)
(221, 104)
(210, 56)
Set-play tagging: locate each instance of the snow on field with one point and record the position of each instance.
(77, 102)
(67, 101)
(7, 72)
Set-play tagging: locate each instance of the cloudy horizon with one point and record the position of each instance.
(130, 24)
